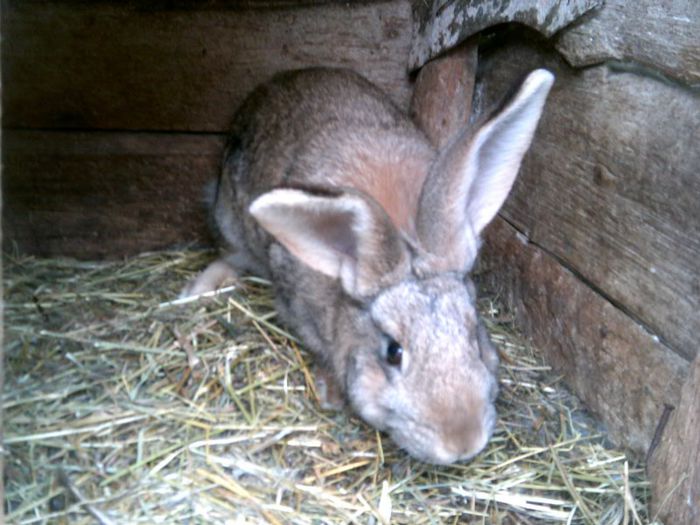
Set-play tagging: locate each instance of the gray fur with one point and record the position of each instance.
(368, 234)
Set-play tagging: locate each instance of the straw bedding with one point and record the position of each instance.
(122, 406)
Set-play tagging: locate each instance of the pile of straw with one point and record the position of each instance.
(122, 406)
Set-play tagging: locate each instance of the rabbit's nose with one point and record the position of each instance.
(467, 434)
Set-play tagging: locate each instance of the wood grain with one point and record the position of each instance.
(94, 195)
(119, 74)
(675, 466)
(620, 371)
(610, 186)
(140, 65)
(442, 97)
(659, 36)
(442, 24)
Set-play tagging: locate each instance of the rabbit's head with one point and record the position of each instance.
(420, 364)
(429, 378)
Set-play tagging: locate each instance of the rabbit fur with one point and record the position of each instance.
(368, 234)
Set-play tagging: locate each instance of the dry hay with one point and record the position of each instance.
(122, 407)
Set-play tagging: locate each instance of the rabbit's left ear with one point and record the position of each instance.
(471, 180)
(347, 236)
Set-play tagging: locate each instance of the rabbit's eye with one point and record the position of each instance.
(394, 353)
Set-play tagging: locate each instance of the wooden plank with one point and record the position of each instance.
(620, 371)
(442, 97)
(142, 66)
(94, 195)
(610, 186)
(675, 465)
(440, 25)
(2, 328)
(661, 36)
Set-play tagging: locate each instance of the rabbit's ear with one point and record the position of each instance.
(346, 236)
(472, 178)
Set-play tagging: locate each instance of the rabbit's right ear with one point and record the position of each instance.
(346, 236)
(472, 178)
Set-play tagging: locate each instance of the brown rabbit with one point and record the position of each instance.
(368, 234)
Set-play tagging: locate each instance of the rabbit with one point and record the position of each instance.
(368, 234)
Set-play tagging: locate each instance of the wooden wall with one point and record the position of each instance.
(598, 246)
(114, 112)
(596, 250)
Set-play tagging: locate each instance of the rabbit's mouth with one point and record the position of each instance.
(442, 446)
(424, 446)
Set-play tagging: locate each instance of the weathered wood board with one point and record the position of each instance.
(660, 36)
(442, 97)
(141, 65)
(2, 334)
(439, 25)
(610, 187)
(150, 67)
(97, 195)
(620, 371)
(675, 465)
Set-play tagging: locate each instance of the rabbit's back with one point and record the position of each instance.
(323, 129)
(304, 122)
(368, 234)
(297, 104)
